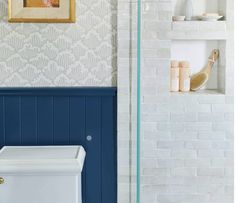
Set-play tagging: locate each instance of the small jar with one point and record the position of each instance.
(174, 76)
(184, 75)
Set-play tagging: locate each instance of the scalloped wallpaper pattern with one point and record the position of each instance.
(80, 54)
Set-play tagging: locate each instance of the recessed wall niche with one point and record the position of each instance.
(197, 53)
(201, 6)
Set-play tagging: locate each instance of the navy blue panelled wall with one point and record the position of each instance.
(67, 116)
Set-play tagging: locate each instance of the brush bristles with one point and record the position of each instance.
(198, 81)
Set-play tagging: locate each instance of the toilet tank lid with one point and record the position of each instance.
(42, 159)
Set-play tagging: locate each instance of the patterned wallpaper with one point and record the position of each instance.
(81, 54)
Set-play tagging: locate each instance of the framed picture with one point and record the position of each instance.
(47, 11)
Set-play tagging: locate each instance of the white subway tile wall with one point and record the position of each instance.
(186, 139)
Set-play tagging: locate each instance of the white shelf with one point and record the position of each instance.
(198, 30)
(199, 92)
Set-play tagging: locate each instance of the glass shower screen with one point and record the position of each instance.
(138, 109)
(129, 46)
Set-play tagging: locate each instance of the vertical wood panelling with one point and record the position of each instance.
(2, 118)
(12, 120)
(59, 117)
(61, 120)
(93, 147)
(28, 120)
(45, 120)
(77, 120)
(78, 129)
(108, 150)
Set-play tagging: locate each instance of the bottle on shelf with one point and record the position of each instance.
(188, 10)
(174, 76)
(184, 75)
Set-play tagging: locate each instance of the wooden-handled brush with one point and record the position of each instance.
(200, 79)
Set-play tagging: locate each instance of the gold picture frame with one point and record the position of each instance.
(62, 13)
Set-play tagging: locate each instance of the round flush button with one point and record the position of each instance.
(89, 137)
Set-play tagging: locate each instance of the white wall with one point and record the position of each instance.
(80, 54)
(186, 140)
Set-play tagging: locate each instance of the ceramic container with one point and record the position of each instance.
(178, 18)
(174, 76)
(184, 76)
(189, 9)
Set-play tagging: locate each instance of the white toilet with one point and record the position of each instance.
(50, 174)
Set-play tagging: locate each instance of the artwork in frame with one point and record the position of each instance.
(47, 11)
